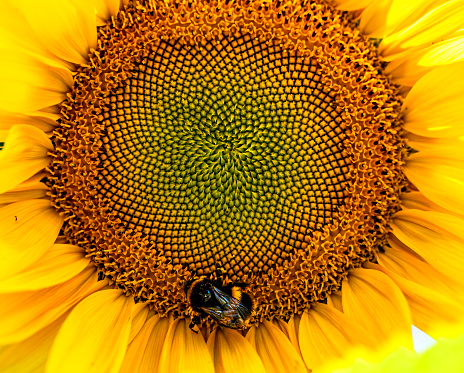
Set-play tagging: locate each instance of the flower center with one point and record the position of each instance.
(273, 157)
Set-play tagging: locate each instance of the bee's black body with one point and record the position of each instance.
(228, 305)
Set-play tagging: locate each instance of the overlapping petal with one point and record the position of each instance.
(330, 339)
(32, 188)
(431, 310)
(352, 4)
(290, 329)
(66, 28)
(105, 9)
(41, 120)
(402, 261)
(59, 264)
(275, 350)
(31, 354)
(231, 353)
(408, 69)
(30, 82)
(441, 22)
(434, 107)
(23, 314)
(143, 354)
(25, 153)
(437, 237)
(27, 230)
(139, 316)
(95, 335)
(438, 172)
(184, 351)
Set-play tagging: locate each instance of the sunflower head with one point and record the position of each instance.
(264, 166)
(274, 159)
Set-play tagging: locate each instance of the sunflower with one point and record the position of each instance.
(302, 157)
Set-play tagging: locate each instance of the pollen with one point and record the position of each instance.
(258, 138)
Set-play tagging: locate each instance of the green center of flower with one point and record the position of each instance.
(232, 149)
(267, 147)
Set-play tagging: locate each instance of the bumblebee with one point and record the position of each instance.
(228, 305)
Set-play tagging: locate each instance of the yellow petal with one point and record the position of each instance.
(139, 316)
(408, 68)
(436, 237)
(374, 18)
(27, 230)
(330, 340)
(276, 351)
(439, 174)
(431, 311)
(434, 107)
(105, 9)
(24, 154)
(231, 352)
(402, 261)
(374, 302)
(32, 188)
(3, 136)
(438, 24)
(290, 329)
(335, 300)
(184, 351)
(23, 314)
(417, 201)
(37, 119)
(16, 33)
(420, 143)
(59, 264)
(143, 354)
(95, 335)
(66, 28)
(384, 17)
(31, 83)
(31, 354)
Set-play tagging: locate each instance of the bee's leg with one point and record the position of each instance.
(195, 321)
(219, 274)
(191, 326)
(188, 283)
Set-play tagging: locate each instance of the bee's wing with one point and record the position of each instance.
(230, 304)
(215, 312)
(243, 311)
(224, 299)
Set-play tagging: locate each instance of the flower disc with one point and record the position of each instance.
(232, 138)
